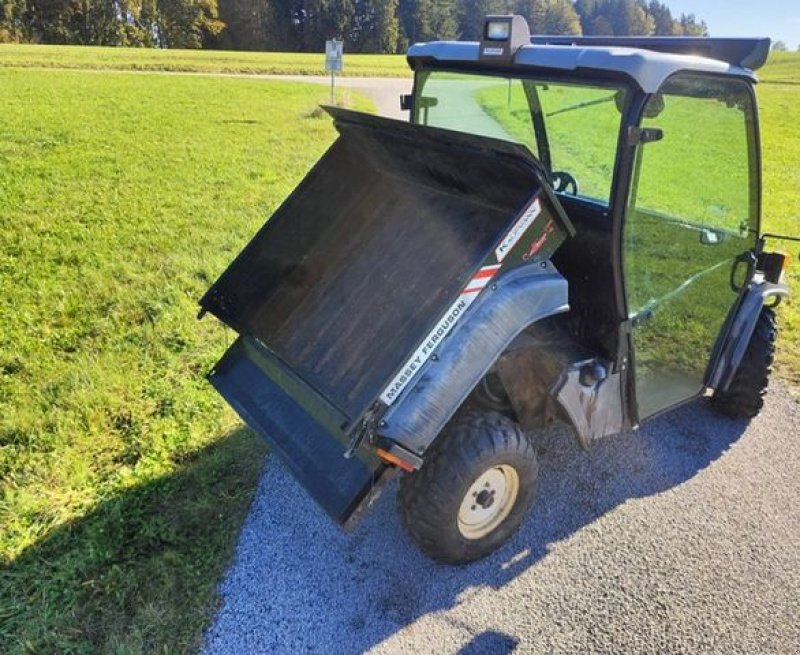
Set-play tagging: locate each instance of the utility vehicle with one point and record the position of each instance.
(567, 229)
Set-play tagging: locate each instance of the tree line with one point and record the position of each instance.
(303, 25)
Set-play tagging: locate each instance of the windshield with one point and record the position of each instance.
(572, 128)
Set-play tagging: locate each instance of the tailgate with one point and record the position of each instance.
(349, 276)
(300, 427)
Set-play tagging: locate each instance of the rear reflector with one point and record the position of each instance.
(394, 460)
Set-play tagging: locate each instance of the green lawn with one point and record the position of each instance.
(195, 61)
(782, 67)
(124, 478)
(780, 116)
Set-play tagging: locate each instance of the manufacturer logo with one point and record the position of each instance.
(435, 336)
(520, 227)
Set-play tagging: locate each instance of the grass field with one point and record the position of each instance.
(195, 61)
(782, 67)
(780, 115)
(124, 481)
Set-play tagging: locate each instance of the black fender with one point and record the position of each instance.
(515, 301)
(730, 350)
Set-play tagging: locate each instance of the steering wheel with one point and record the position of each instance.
(563, 182)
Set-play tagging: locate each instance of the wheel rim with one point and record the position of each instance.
(488, 501)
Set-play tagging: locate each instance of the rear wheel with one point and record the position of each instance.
(745, 396)
(474, 490)
(490, 394)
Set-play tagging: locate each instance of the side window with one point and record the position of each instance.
(582, 130)
(700, 171)
(694, 186)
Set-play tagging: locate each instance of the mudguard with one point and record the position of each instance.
(742, 323)
(518, 299)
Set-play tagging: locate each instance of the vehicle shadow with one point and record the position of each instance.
(138, 572)
(299, 584)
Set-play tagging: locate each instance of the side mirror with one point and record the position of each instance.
(427, 101)
(423, 104)
(653, 108)
(711, 237)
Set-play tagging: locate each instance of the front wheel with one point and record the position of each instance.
(745, 396)
(474, 490)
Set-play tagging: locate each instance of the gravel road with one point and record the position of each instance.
(682, 537)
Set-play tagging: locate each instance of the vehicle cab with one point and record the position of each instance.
(652, 147)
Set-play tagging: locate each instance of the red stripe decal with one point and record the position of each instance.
(489, 271)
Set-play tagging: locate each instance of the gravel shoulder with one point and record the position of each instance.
(682, 537)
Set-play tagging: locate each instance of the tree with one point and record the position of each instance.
(247, 24)
(187, 23)
(550, 16)
(428, 20)
(12, 21)
(601, 26)
(627, 17)
(663, 22)
(375, 27)
(688, 26)
(587, 12)
(779, 46)
(471, 13)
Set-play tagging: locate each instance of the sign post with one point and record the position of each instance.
(333, 62)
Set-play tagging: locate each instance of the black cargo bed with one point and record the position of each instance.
(356, 266)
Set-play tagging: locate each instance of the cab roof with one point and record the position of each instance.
(647, 61)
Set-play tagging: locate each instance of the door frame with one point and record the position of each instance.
(630, 143)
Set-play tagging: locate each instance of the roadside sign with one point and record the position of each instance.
(333, 62)
(333, 55)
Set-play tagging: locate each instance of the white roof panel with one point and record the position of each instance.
(649, 69)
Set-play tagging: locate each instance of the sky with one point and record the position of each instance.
(778, 19)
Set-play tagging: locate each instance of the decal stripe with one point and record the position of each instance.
(487, 271)
(481, 278)
(414, 364)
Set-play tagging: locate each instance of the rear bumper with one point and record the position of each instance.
(301, 428)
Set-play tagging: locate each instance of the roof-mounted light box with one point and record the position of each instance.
(502, 37)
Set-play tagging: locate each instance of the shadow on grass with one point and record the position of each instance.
(138, 573)
(293, 569)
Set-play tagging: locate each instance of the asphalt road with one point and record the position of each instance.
(682, 537)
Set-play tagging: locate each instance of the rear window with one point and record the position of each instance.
(573, 128)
